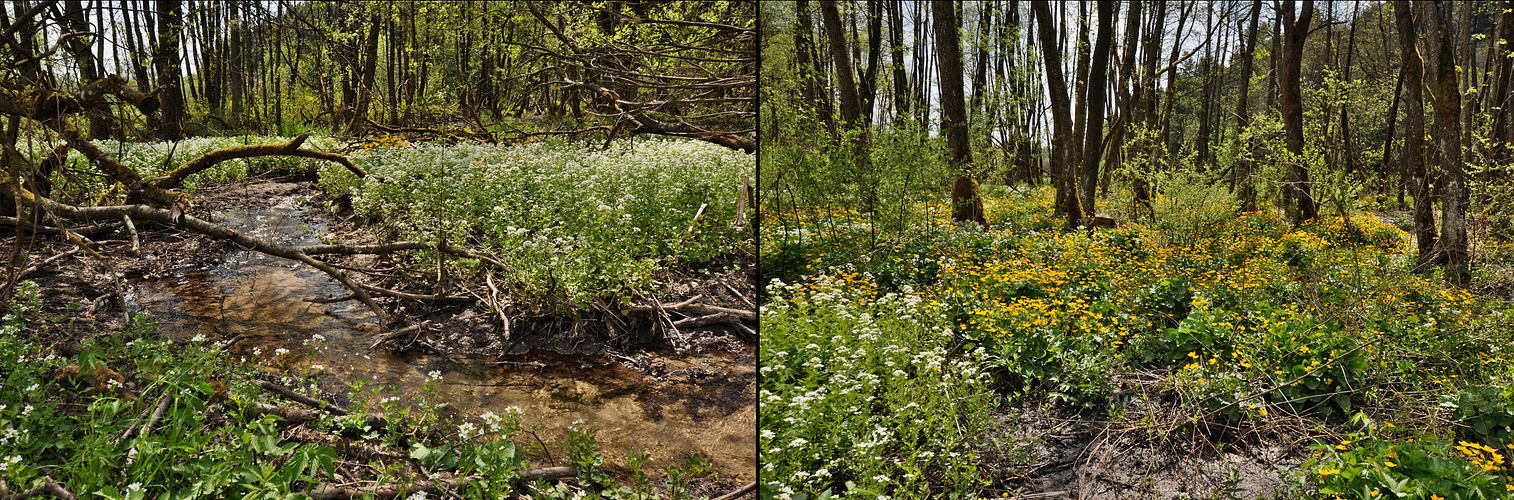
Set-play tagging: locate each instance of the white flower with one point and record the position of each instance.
(280, 351)
(199, 337)
(798, 442)
(768, 434)
(434, 375)
(318, 367)
(134, 487)
(419, 495)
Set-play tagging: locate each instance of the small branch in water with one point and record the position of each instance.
(535, 364)
(395, 335)
(332, 300)
(296, 397)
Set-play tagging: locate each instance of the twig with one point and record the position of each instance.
(48, 486)
(494, 302)
(38, 266)
(396, 334)
(163, 401)
(739, 492)
(293, 396)
(136, 243)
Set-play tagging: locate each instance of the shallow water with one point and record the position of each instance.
(704, 406)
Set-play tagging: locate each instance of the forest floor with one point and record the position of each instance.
(1199, 354)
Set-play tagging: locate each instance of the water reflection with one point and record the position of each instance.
(704, 406)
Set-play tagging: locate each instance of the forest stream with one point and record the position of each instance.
(700, 407)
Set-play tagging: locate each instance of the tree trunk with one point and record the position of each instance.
(966, 205)
(1147, 109)
(1302, 206)
(1501, 99)
(1246, 191)
(1061, 113)
(980, 73)
(896, 54)
(1414, 130)
(370, 66)
(166, 59)
(1447, 99)
(89, 67)
(1098, 78)
(815, 94)
(851, 106)
(1207, 88)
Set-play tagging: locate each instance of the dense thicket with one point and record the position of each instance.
(475, 68)
(1292, 105)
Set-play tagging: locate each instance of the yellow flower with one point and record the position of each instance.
(1389, 463)
(1436, 497)
(1326, 472)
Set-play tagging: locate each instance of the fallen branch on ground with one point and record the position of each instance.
(48, 486)
(386, 491)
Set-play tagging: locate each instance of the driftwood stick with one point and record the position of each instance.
(136, 243)
(157, 414)
(494, 302)
(290, 414)
(547, 473)
(395, 335)
(707, 320)
(332, 300)
(48, 487)
(304, 400)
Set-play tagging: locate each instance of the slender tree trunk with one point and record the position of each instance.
(1303, 207)
(1098, 78)
(1080, 86)
(1147, 109)
(1414, 130)
(816, 93)
(1348, 146)
(1207, 88)
(980, 73)
(1061, 113)
(1447, 99)
(1246, 191)
(896, 53)
(1124, 100)
(1398, 91)
(1501, 99)
(867, 88)
(966, 205)
(370, 66)
(851, 106)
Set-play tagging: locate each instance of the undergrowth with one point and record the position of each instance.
(1246, 319)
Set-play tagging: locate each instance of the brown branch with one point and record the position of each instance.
(301, 399)
(742, 491)
(176, 177)
(48, 487)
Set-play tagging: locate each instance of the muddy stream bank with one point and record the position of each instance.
(701, 404)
